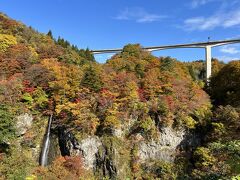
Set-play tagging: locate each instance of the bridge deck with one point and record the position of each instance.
(189, 45)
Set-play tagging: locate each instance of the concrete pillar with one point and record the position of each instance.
(208, 54)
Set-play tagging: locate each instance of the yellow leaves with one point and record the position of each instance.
(86, 121)
(40, 97)
(59, 108)
(67, 79)
(6, 41)
(112, 122)
(153, 62)
(80, 115)
(74, 108)
(107, 93)
(189, 122)
(152, 84)
(139, 107)
(31, 177)
(120, 63)
(204, 157)
(34, 54)
(57, 68)
(218, 129)
(132, 88)
(50, 63)
(112, 117)
(113, 110)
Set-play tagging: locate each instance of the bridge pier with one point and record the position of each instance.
(208, 54)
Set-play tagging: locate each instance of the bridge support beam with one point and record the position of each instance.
(208, 53)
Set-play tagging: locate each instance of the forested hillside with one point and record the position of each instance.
(135, 117)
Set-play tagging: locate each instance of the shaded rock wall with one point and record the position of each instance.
(164, 148)
(88, 148)
(110, 156)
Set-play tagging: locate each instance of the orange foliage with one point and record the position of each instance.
(7, 23)
(62, 168)
(74, 164)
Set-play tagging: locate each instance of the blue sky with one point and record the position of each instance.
(101, 24)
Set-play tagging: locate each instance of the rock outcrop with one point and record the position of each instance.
(24, 122)
(103, 155)
(88, 148)
(164, 148)
(109, 156)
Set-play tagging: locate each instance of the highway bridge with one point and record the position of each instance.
(206, 45)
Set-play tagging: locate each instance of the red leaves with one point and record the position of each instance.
(106, 93)
(63, 115)
(74, 164)
(141, 94)
(77, 100)
(106, 97)
(27, 87)
(11, 88)
(7, 23)
(170, 103)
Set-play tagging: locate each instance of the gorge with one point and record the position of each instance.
(65, 116)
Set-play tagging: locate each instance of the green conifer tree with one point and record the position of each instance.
(50, 34)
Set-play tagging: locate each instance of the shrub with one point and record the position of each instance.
(6, 41)
(7, 130)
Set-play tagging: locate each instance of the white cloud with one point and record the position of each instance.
(139, 15)
(229, 50)
(232, 20)
(223, 19)
(197, 3)
(201, 23)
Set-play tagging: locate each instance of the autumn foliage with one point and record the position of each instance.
(134, 92)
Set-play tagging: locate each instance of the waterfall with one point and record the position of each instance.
(46, 144)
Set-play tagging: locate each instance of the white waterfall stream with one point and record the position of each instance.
(46, 144)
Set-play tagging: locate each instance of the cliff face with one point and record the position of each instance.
(101, 155)
(28, 139)
(165, 148)
(111, 156)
